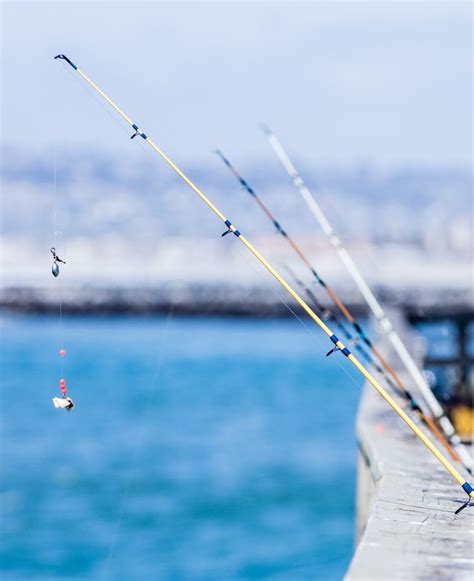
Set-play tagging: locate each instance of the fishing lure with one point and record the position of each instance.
(64, 402)
(56, 259)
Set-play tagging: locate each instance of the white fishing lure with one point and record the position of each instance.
(64, 403)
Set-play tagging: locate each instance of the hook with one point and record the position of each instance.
(56, 257)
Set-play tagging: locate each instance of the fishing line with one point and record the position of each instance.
(117, 121)
(150, 406)
(159, 357)
(232, 229)
(64, 402)
(327, 314)
(93, 96)
(61, 330)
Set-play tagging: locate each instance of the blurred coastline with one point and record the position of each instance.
(132, 235)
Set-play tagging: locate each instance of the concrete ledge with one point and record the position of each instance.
(406, 526)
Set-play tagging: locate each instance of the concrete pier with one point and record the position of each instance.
(406, 526)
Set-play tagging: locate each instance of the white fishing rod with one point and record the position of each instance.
(374, 305)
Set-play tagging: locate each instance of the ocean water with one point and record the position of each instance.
(198, 449)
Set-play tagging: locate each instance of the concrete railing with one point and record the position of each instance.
(406, 526)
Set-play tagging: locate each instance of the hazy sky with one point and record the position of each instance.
(387, 83)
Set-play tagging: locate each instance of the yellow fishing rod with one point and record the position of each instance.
(231, 229)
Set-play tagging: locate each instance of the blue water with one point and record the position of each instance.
(442, 338)
(442, 341)
(198, 449)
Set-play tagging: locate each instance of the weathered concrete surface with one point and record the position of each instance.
(406, 526)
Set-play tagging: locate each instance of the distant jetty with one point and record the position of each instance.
(215, 300)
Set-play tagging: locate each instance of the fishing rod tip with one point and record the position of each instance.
(466, 504)
(265, 128)
(65, 58)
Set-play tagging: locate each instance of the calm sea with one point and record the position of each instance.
(198, 449)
